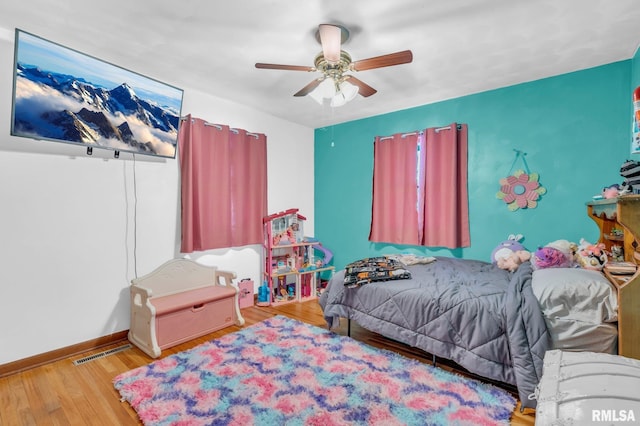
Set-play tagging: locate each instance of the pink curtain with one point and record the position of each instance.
(446, 206)
(395, 188)
(420, 188)
(223, 185)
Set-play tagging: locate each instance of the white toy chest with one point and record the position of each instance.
(179, 301)
(585, 388)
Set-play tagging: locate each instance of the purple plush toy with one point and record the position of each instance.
(507, 248)
(549, 257)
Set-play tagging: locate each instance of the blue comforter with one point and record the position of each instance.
(484, 318)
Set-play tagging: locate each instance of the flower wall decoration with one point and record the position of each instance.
(520, 190)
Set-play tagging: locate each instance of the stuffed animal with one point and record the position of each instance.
(570, 250)
(514, 260)
(617, 253)
(550, 257)
(591, 256)
(507, 247)
(611, 191)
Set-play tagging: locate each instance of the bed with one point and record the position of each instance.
(486, 319)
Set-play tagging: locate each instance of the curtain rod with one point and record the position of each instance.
(458, 126)
(404, 135)
(219, 127)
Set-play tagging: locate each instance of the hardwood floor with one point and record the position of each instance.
(61, 393)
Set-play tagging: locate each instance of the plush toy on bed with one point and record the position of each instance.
(550, 257)
(567, 247)
(556, 254)
(514, 260)
(591, 256)
(507, 248)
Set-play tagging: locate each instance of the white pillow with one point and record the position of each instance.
(579, 306)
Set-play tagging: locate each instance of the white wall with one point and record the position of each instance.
(74, 229)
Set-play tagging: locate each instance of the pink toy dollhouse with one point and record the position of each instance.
(290, 269)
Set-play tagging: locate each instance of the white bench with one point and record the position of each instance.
(179, 301)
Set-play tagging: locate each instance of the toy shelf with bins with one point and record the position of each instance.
(291, 270)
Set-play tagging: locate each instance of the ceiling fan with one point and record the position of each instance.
(336, 65)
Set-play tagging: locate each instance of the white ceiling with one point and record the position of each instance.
(459, 46)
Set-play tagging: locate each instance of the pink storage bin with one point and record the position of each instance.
(245, 296)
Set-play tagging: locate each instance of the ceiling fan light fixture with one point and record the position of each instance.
(348, 90)
(338, 100)
(334, 94)
(316, 96)
(325, 90)
(346, 93)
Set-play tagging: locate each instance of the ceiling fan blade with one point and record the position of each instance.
(284, 67)
(330, 38)
(309, 87)
(397, 58)
(363, 88)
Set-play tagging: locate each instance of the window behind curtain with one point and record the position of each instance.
(223, 186)
(420, 188)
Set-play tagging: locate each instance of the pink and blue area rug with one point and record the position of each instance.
(284, 372)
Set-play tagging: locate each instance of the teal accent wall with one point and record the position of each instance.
(635, 70)
(574, 128)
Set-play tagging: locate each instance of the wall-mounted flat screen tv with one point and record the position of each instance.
(62, 95)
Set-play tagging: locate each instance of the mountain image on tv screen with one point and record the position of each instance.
(63, 95)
